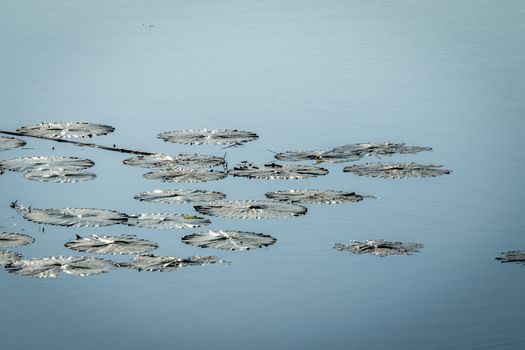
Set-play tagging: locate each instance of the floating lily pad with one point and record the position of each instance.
(315, 196)
(166, 221)
(62, 130)
(59, 176)
(229, 240)
(46, 163)
(168, 263)
(7, 143)
(7, 257)
(166, 161)
(185, 175)
(272, 171)
(126, 244)
(79, 217)
(251, 209)
(379, 247)
(11, 240)
(515, 256)
(396, 170)
(51, 267)
(204, 136)
(179, 196)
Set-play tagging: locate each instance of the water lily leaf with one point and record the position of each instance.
(166, 221)
(179, 196)
(229, 240)
(79, 217)
(272, 171)
(379, 247)
(166, 161)
(58, 176)
(315, 196)
(204, 136)
(396, 170)
(168, 263)
(11, 240)
(515, 256)
(48, 163)
(185, 175)
(51, 267)
(7, 257)
(7, 143)
(62, 130)
(125, 244)
(251, 209)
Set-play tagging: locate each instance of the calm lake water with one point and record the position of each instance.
(303, 75)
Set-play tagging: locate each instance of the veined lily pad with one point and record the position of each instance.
(126, 244)
(51, 267)
(272, 171)
(62, 130)
(229, 240)
(379, 247)
(7, 257)
(79, 217)
(185, 175)
(11, 240)
(179, 196)
(315, 196)
(204, 136)
(168, 263)
(59, 176)
(166, 161)
(7, 143)
(46, 163)
(515, 256)
(166, 221)
(396, 170)
(251, 209)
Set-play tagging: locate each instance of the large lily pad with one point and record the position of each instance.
(396, 170)
(515, 256)
(204, 136)
(179, 196)
(185, 175)
(272, 171)
(251, 209)
(11, 239)
(165, 161)
(168, 263)
(7, 143)
(62, 130)
(379, 247)
(51, 267)
(7, 257)
(46, 163)
(166, 221)
(125, 244)
(58, 176)
(315, 196)
(79, 217)
(229, 240)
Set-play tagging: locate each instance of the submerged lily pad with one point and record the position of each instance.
(515, 256)
(62, 130)
(315, 196)
(166, 221)
(204, 136)
(79, 217)
(51, 267)
(11, 240)
(229, 240)
(165, 161)
(46, 163)
(379, 247)
(7, 257)
(251, 209)
(7, 143)
(125, 244)
(185, 175)
(168, 263)
(396, 170)
(58, 176)
(179, 196)
(272, 171)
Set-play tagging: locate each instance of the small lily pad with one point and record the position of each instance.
(79, 217)
(396, 170)
(166, 161)
(7, 143)
(515, 256)
(272, 171)
(7, 257)
(179, 196)
(125, 244)
(251, 209)
(46, 163)
(168, 263)
(185, 175)
(229, 240)
(379, 247)
(11, 240)
(51, 267)
(58, 176)
(204, 136)
(315, 196)
(62, 130)
(166, 221)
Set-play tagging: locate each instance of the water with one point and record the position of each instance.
(303, 75)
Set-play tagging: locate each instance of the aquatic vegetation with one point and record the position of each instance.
(8, 257)
(7, 143)
(78, 217)
(272, 171)
(61, 130)
(52, 266)
(251, 209)
(125, 244)
(229, 240)
(315, 196)
(185, 175)
(168, 263)
(11, 239)
(165, 161)
(515, 256)
(166, 221)
(58, 176)
(396, 170)
(379, 247)
(47, 163)
(204, 136)
(179, 196)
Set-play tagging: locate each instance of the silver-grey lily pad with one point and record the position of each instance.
(79, 217)
(185, 175)
(165, 161)
(396, 170)
(379, 247)
(59, 176)
(7, 143)
(251, 209)
(51, 267)
(46, 163)
(204, 136)
(515, 256)
(315, 196)
(8, 257)
(229, 240)
(62, 130)
(11, 239)
(168, 263)
(272, 171)
(125, 244)
(166, 221)
(179, 196)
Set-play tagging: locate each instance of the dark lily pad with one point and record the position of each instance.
(125, 244)
(166, 221)
(185, 175)
(46, 163)
(166, 161)
(58, 176)
(179, 196)
(396, 170)
(515, 256)
(272, 171)
(251, 209)
(62, 130)
(51, 267)
(204, 136)
(7, 143)
(7, 257)
(379, 247)
(168, 263)
(79, 217)
(11, 240)
(315, 196)
(229, 240)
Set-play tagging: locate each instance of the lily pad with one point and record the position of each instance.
(251, 209)
(168, 263)
(515, 256)
(166, 221)
(185, 175)
(58, 176)
(229, 240)
(46, 163)
(79, 217)
(315, 196)
(7, 257)
(125, 244)
(51, 267)
(379, 247)
(272, 171)
(204, 136)
(396, 170)
(179, 196)
(7, 143)
(166, 161)
(62, 130)
(11, 240)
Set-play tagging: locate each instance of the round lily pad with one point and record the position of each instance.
(168, 263)
(229, 240)
(166, 161)
(79, 217)
(125, 244)
(179, 196)
(11, 239)
(51, 267)
(166, 221)
(185, 175)
(62, 130)
(272, 171)
(251, 209)
(46, 163)
(315, 196)
(7, 257)
(396, 170)
(515, 256)
(204, 136)
(7, 143)
(58, 176)
(379, 247)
